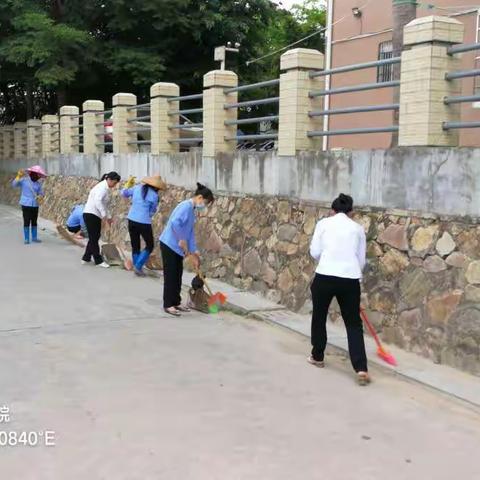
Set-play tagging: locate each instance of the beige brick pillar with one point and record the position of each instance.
(8, 143)
(34, 138)
(92, 133)
(69, 116)
(161, 117)
(121, 116)
(215, 114)
(50, 135)
(423, 86)
(295, 103)
(20, 140)
(2, 152)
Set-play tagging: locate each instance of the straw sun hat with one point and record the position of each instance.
(155, 181)
(38, 170)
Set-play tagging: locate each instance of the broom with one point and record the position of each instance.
(381, 352)
(215, 300)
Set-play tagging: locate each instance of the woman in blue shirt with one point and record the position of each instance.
(144, 206)
(177, 242)
(75, 221)
(31, 192)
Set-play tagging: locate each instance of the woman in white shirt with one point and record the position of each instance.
(94, 212)
(339, 246)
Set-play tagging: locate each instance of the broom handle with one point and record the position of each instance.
(200, 274)
(370, 327)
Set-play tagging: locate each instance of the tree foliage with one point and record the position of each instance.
(54, 52)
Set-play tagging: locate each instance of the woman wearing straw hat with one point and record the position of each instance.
(31, 193)
(144, 206)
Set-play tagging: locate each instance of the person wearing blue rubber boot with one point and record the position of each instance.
(145, 201)
(31, 195)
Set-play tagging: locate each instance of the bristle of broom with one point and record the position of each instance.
(386, 357)
(213, 308)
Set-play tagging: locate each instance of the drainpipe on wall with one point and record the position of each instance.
(328, 66)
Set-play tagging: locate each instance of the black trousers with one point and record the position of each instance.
(140, 230)
(347, 293)
(172, 273)
(30, 216)
(94, 229)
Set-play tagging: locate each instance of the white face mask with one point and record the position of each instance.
(200, 206)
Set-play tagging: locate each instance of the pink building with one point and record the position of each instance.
(365, 34)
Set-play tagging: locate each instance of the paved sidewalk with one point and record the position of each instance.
(135, 394)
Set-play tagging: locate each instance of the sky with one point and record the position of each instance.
(288, 3)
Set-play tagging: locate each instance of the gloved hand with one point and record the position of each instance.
(20, 174)
(130, 182)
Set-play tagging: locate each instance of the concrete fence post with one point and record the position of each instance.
(295, 103)
(215, 114)
(2, 148)
(121, 116)
(93, 133)
(161, 118)
(423, 87)
(8, 143)
(50, 135)
(69, 126)
(34, 138)
(20, 140)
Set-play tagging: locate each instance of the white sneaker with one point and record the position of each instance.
(103, 265)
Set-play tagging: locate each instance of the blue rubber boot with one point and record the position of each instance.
(35, 235)
(141, 261)
(135, 258)
(26, 235)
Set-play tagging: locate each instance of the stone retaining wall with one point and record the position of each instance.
(422, 282)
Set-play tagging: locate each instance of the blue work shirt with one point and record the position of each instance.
(76, 217)
(30, 190)
(181, 226)
(142, 209)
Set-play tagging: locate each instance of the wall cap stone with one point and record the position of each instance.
(433, 29)
(297, 58)
(220, 78)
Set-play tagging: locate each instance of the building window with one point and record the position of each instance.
(385, 72)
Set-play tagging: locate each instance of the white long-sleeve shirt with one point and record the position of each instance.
(339, 246)
(97, 200)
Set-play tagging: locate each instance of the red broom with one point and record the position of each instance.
(381, 352)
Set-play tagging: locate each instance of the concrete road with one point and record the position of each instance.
(133, 395)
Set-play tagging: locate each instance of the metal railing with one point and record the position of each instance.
(350, 89)
(459, 99)
(138, 129)
(274, 117)
(188, 125)
(103, 133)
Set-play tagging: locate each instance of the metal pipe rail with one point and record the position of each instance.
(355, 88)
(260, 136)
(139, 142)
(244, 121)
(262, 101)
(352, 131)
(252, 86)
(456, 125)
(186, 140)
(462, 74)
(360, 109)
(185, 126)
(195, 96)
(354, 67)
(140, 129)
(466, 47)
(104, 112)
(461, 99)
(140, 106)
(183, 112)
(138, 119)
(104, 144)
(77, 135)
